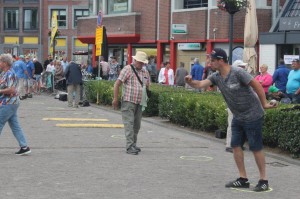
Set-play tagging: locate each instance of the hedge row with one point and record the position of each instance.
(206, 111)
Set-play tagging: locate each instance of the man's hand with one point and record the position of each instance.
(115, 103)
(271, 104)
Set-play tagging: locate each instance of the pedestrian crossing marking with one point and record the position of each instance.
(91, 125)
(76, 119)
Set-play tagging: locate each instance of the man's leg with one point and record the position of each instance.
(229, 132)
(238, 155)
(137, 121)
(70, 95)
(77, 88)
(261, 164)
(127, 110)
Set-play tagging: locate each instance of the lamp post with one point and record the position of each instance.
(232, 7)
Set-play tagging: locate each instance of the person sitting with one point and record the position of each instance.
(278, 95)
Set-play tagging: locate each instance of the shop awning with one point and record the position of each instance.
(112, 39)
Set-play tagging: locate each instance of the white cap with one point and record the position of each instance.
(238, 63)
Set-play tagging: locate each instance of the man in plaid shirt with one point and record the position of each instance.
(132, 92)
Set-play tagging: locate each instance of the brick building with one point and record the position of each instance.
(25, 24)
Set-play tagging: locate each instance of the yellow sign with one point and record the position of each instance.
(98, 49)
(99, 40)
(54, 27)
(99, 35)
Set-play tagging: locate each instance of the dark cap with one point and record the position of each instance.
(218, 53)
(295, 60)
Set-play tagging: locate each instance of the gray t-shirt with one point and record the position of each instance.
(239, 96)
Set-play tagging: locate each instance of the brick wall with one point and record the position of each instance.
(196, 22)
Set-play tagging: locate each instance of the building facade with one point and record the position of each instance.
(172, 30)
(25, 26)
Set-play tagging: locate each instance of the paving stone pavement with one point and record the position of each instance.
(90, 163)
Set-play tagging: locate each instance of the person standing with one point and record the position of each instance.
(38, 69)
(166, 75)
(197, 70)
(47, 61)
(181, 72)
(64, 63)
(280, 76)
(114, 69)
(74, 81)
(105, 68)
(246, 99)
(264, 78)
(9, 102)
(241, 64)
(20, 69)
(29, 82)
(293, 83)
(132, 94)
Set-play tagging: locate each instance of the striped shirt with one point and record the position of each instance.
(132, 89)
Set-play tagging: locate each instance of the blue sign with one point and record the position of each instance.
(100, 17)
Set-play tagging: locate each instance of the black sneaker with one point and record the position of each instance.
(262, 185)
(29, 95)
(238, 183)
(23, 151)
(229, 149)
(132, 151)
(138, 148)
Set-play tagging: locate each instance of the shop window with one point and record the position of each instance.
(80, 13)
(11, 19)
(117, 6)
(61, 17)
(188, 4)
(30, 19)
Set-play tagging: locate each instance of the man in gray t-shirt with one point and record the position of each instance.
(246, 99)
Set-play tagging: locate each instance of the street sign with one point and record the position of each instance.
(99, 35)
(99, 40)
(98, 49)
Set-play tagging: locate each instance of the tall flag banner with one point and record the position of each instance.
(54, 27)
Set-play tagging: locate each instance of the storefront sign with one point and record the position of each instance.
(189, 46)
(289, 58)
(179, 29)
(289, 23)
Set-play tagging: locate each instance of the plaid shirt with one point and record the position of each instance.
(132, 89)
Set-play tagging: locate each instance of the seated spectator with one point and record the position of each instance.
(276, 94)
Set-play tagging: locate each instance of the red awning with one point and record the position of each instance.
(112, 39)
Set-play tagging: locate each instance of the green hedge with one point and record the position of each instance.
(205, 111)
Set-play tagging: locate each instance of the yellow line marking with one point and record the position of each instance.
(75, 119)
(91, 125)
(251, 191)
(196, 158)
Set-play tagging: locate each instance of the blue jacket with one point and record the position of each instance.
(280, 77)
(197, 71)
(73, 74)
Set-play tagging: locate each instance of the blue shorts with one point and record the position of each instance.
(242, 130)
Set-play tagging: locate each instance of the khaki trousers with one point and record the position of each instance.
(131, 116)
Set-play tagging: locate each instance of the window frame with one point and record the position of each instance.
(112, 4)
(17, 19)
(75, 19)
(37, 19)
(58, 10)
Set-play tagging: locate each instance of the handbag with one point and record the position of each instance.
(147, 90)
